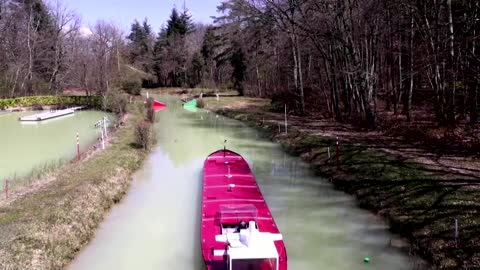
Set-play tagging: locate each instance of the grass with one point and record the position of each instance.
(46, 229)
(419, 201)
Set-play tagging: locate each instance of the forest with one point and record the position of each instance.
(350, 60)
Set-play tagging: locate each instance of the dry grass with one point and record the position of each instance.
(46, 228)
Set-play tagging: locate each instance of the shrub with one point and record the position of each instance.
(200, 103)
(149, 103)
(151, 115)
(92, 101)
(116, 102)
(132, 86)
(143, 135)
(37, 107)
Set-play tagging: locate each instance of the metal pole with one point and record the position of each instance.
(78, 147)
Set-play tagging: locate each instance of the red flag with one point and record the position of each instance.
(159, 106)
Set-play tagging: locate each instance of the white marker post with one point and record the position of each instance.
(103, 141)
(286, 123)
(148, 95)
(105, 125)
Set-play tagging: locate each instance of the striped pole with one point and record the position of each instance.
(78, 147)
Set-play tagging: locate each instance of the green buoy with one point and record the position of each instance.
(366, 260)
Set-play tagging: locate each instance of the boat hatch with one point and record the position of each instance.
(236, 213)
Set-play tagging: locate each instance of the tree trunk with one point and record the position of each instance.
(451, 109)
(408, 108)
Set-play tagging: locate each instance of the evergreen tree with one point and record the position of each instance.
(197, 70)
(174, 24)
(186, 21)
(237, 61)
(141, 46)
(209, 44)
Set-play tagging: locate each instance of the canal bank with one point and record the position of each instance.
(157, 225)
(46, 226)
(434, 205)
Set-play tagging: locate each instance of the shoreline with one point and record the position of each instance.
(418, 200)
(47, 223)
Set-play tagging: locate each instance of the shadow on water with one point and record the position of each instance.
(157, 225)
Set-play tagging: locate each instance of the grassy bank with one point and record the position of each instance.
(419, 196)
(46, 228)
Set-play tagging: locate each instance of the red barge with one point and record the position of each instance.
(238, 231)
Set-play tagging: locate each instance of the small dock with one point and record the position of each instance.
(48, 115)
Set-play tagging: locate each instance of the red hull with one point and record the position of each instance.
(158, 106)
(222, 171)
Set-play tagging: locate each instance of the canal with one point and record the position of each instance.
(157, 225)
(30, 146)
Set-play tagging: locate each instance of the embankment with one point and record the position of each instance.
(419, 196)
(47, 227)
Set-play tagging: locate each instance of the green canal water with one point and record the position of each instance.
(30, 146)
(157, 225)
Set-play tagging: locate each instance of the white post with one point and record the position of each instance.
(329, 156)
(103, 141)
(286, 123)
(105, 125)
(148, 95)
(218, 97)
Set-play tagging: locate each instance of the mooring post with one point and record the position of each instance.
(7, 187)
(338, 155)
(78, 146)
